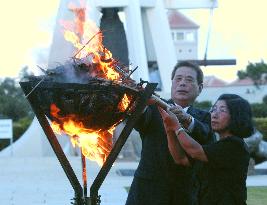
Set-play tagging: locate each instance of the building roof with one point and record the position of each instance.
(212, 81)
(179, 20)
(245, 81)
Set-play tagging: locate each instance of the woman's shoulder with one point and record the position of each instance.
(237, 142)
(234, 139)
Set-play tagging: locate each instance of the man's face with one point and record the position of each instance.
(185, 87)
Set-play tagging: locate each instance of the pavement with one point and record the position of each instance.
(42, 181)
(258, 180)
(36, 181)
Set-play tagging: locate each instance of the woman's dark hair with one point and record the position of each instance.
(189, 64)
(241, 115)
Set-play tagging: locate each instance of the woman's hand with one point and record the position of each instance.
(170, 121)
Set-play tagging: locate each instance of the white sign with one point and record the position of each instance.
(6, 131)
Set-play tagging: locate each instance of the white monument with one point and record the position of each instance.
(147, 30)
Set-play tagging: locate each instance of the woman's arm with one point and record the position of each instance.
(187, 143)
(176, 150)
(174, 146)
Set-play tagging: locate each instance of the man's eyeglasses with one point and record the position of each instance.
(187, 80)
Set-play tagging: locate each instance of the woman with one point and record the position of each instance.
(226, 160)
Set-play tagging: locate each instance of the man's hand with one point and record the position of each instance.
(151, 101)
(170, 121)
(182, 116)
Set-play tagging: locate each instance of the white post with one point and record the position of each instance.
(6, 132)
(93, 12)
(162, 41)
(135, 40)
(11, 138)
(11, 143)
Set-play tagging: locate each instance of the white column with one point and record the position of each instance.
(112, 3)
(150, 50)
(162, 41)
(93, 11)
(135, 40)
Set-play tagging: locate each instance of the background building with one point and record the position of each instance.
(214, 87)
(184, 35)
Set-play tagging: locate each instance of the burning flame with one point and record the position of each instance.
(95, 145)
(87, 38)
(124, 103)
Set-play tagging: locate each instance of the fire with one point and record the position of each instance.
(87, 38)
(95, 144)
(124, 103)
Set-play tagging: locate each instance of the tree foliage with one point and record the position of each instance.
(256, 71)
(259, 109)
(264, 99)
(261, 125)
(13, 103)
(204, 105)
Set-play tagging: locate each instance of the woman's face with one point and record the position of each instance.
(220, 116)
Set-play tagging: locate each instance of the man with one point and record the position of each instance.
(158, 180)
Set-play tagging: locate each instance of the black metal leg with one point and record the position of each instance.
(95, 199)
(58, 150)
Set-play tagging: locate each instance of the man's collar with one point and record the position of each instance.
(185, 108)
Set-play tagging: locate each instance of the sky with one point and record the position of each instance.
(238, 31)
(25, 29)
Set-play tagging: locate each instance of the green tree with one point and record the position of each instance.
(204, 105)
(25, 72)
(256, 71)
(264, 99)
(259, 109)
(13, 103)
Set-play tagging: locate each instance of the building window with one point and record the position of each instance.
(183, 36)
(179, 36)
(190, 37)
